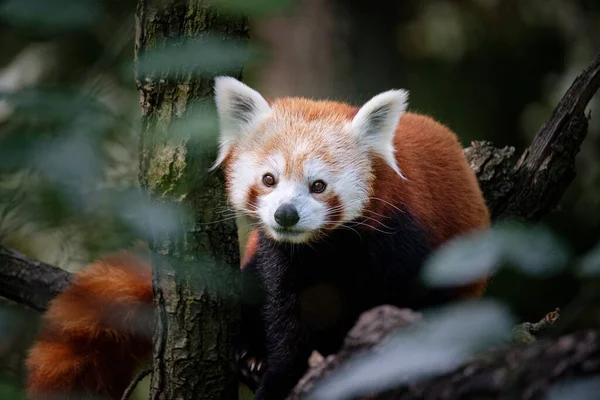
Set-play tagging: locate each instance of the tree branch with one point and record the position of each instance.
(533, 187)
(535, 366)
(525, 332)
(30, 282)
(522, 371)
(371, 329)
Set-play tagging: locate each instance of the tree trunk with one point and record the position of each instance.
(195, 264)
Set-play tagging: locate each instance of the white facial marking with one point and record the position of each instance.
(242, 177)
(353, 192)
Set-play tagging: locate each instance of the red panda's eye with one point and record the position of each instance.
(268, 180)
(318, 186)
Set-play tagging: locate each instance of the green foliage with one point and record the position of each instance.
(590, 263)
(205, 56)
(49, 16)
(11, 392)
(17, 328)
(525, 265)
(254, 8)
(532, 249)
(580, 389)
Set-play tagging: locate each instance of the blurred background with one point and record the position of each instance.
(70, 112)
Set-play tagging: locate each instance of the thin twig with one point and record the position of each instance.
(525, 332)
(138, 378)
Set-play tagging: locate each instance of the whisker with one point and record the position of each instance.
(369, 218)
(216, 222)
(226, 215)
(386, 202)
(372, 227)
(223, 207)
(378, 221)
(375, 213)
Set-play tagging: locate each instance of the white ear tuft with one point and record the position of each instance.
(239, 108)
(376, 122)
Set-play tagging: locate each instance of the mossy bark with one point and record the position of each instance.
(195, 263)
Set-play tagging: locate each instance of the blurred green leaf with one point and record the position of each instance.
(144, 216)
(589, 265)
(56, 131)
(72, 160)
(199, 124)
(58, 105)
(11, 391)
(580, 389)
(445, 339)
(206, 56)
(254, 7)
(531, 249)
(50, 205)
(51, 14)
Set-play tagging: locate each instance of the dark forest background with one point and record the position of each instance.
(70, 113)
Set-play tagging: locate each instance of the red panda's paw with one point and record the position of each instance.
(250, 367)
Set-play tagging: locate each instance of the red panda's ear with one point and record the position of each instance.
(376, 121)
(239, 108)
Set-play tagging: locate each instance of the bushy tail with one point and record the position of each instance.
(95, 333)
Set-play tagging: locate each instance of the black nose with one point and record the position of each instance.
(286, 215)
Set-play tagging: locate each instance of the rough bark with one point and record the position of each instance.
(519, 372)
(371, 329)
(515, 372)
(29, 282)
(194, 267)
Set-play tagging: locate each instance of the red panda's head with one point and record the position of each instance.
(300, 167)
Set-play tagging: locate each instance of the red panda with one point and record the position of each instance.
(347, 202)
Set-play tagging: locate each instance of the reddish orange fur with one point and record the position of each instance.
(334, 217)
(250, 249)
(252, 197)
(428, 154)
(310, 111)
(95, 332)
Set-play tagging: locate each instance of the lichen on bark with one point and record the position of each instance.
(195, 262)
